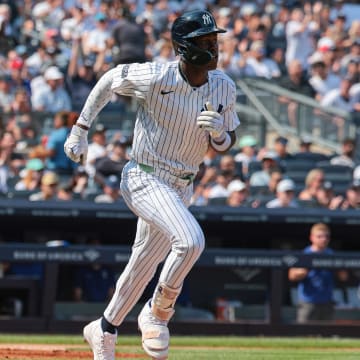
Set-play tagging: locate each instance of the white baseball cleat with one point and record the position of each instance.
(102, 343)
(155, 334)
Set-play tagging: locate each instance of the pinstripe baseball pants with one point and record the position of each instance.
(166, 229)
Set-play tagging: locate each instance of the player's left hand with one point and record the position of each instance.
(211, 121)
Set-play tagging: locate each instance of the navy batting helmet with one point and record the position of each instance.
(190, 25)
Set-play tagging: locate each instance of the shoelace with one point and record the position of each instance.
(107, 346)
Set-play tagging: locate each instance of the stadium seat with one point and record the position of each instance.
(310, 156)
(254, 166)
(353, 297)
(309, 204)
(217, 201)
(255, 190)
(297, 170)
(337, 174)
(299, 165)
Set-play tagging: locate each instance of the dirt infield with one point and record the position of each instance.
(46, 351)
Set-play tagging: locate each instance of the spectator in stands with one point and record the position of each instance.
(8, 162)
(81, 75)
(285, 195)
(258, 65)
(220, 188)
(17, 72)
(327, 198)
(346, 157)
(352, 55)
(268, 163)
(165, 53)
(204, 184)
(32, 174)
(327, 48)
(281, 148)
(237, 194)
(48, 189)
(52, 96)
(306, 151)
(305, 145)
(300, 31)
(315, 286)
(7, 36)
(227, 172)
(56, 50)
(79, 182)
(276, 175)
(228, 163)
(247, 145)
(21, 103)
(111, 191)
(95, 42)
(230, 60)
(278, 56)
(64, 192)
(337, 31)
(6, 93)
(353, 72)
(260, 195)
(295, 81)
(352, 196)
(321, 13)
(97, 148)
(53, 152)
(313, 182)
(340, 98)
(129, 39)
(76, 24)
(337, 9)
(113, 163)
(321, 80)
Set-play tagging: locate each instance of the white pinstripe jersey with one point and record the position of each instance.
(166, 135)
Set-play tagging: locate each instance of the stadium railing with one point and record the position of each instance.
(293, 114)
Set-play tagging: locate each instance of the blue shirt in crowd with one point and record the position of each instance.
(318, 285)
(56, 142)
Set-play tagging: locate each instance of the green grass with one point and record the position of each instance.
(222, 348)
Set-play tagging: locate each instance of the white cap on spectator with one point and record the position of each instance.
(41, 9)
(224, 11)
(316, 57)
(270, 154)
(285, 185)
(326, 44)
(248, 9)
(53, 73)
(236, 185)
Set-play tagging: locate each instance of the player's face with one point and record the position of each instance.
(210, 43)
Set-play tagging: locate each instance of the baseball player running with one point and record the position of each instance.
(185, 106)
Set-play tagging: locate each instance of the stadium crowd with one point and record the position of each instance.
(52, 52)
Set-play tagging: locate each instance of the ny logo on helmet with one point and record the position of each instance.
(207, 19)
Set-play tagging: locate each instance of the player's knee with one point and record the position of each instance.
(193, 244)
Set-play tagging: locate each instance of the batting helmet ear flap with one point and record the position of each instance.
(192, 53)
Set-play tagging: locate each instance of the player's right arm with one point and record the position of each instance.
(127, 80)
(76, 145)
